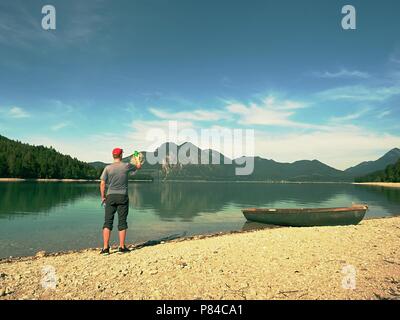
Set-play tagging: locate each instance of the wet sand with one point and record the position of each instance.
(350, 262)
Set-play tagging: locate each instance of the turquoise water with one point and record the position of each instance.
(65, 216)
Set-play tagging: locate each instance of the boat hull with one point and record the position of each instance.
(307, 217)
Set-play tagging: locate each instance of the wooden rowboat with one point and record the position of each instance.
(308, 217)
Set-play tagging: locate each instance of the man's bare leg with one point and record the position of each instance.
(122, 237)
(106, 238)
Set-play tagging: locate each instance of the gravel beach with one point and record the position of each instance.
(352, 262)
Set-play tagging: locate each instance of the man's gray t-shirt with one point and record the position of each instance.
(116, 177)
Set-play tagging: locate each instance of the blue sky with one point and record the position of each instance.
(114, 69)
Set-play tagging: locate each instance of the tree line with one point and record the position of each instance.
(390, 174)
(20, 160)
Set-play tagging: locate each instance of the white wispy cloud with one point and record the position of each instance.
(270, 112)
(351, 116)
(62, 106)
(395, 57)
(17, 113)
(131, 108)
(342, 73)
(195, 115)
(260, 115)
(275, 109)
(60, 126)
(359, 93)
(384, 113)
(273, 102)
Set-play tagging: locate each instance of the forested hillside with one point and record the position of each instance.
(20, 160)
(390, 174)
(368, 167)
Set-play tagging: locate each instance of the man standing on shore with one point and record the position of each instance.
(115, 178)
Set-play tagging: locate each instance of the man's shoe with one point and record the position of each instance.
(123, 250)
(105, 252)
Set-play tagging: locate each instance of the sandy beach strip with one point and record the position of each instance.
(349, 262)
(380, 184)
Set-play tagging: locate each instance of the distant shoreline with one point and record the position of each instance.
(59, 180)
(177, 180)
(379, 184)
(376, 184)
(258, 181)
(45, 180)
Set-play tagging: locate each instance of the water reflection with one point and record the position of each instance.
(22, 198)
(377, 193)
(186, 201)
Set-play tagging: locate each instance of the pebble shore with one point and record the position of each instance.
(350, 262)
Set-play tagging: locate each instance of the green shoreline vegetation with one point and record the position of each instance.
(390, 174)
(20, 160)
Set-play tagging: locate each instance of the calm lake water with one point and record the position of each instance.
(65, 216)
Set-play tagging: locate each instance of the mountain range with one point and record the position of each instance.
(19, 160)
(264, 169)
